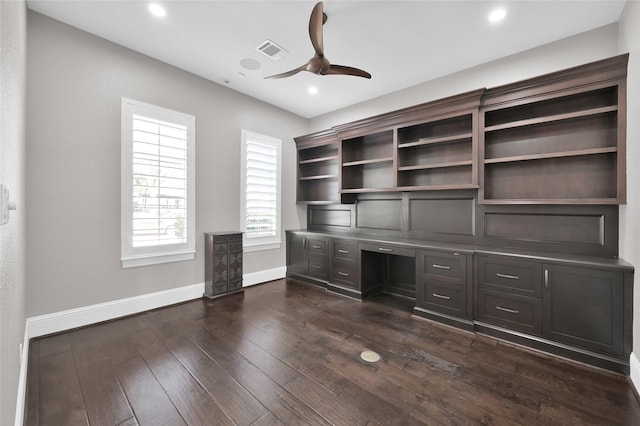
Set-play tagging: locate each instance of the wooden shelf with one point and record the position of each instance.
(552, 201)
(318, 177)
(442, 139)
(369, 161)
(361, 190)
(319, 159)
(435, 166)
(551, 155)
(551, 118)
(436, 187)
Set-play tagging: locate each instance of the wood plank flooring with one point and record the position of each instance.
(287, 353)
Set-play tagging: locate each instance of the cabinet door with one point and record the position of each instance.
(584, 308)
(220, 267)
(296, 254)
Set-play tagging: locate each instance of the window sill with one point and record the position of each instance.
(155, 259)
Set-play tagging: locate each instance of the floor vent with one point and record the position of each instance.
(370, 356)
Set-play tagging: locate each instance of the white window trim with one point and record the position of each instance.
(263, 243)
(152, 255)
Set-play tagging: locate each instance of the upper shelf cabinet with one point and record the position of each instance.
(431, 146)
(367, 162)
(556, 139)
(438, 154)
(318, 168)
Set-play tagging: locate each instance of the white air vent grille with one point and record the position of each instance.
(272, 50)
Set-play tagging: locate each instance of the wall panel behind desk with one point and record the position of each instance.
(456, 217)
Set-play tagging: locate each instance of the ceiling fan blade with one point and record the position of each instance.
(289, 73)
(315, 28)
(344, 70)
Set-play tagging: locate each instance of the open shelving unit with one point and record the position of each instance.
(318, 169)
(438, 154)
(559, 139)
(368, 162)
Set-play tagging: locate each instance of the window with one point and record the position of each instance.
(158, 185)
(260, 202)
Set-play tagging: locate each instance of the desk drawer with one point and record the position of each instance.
(442, 297)
(513, 312)
(388, 249)
(344, 272)
(318, 245)
(345, 249)
(450, 266)
(318, 267)
(510, 275)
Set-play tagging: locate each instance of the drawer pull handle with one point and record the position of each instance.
(344, 274)
(316, 266)
(385, 249)
(343, 251)
(441, 296)
(510, 277)
(316, 247)
(507, 310)
(546, 278)
(435, 265)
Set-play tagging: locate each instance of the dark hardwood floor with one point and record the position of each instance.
(288, 353)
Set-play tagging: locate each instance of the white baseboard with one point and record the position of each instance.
(263, 276)
(634, 373)
(73, 318)
(79, 317)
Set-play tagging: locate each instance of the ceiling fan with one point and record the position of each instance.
(319, 64)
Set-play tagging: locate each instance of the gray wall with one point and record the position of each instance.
(630, 214)
(12, 235)
(75, 82)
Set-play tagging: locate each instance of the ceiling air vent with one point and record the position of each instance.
(272, 50)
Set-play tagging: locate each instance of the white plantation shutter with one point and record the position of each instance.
(157, 194)
(261, 184)
(262, 190)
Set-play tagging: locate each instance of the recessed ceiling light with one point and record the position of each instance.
(313, 90)
(157, 10)
(497, 15)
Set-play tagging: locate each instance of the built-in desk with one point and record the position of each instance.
(577, 307)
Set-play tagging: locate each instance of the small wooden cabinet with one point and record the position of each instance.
(223, 263)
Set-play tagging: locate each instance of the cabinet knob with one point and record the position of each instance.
(435, 265)
(441, 296)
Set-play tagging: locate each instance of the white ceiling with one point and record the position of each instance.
(401, 43)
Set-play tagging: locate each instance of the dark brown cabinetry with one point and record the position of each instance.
(307, 256)
(576, 311)
(556, 139)
(584, 307)
(576, 307)
(343, 273)
(318, 168)
(368, 162)
(443, 288)
(510, 293)
(223, 263)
